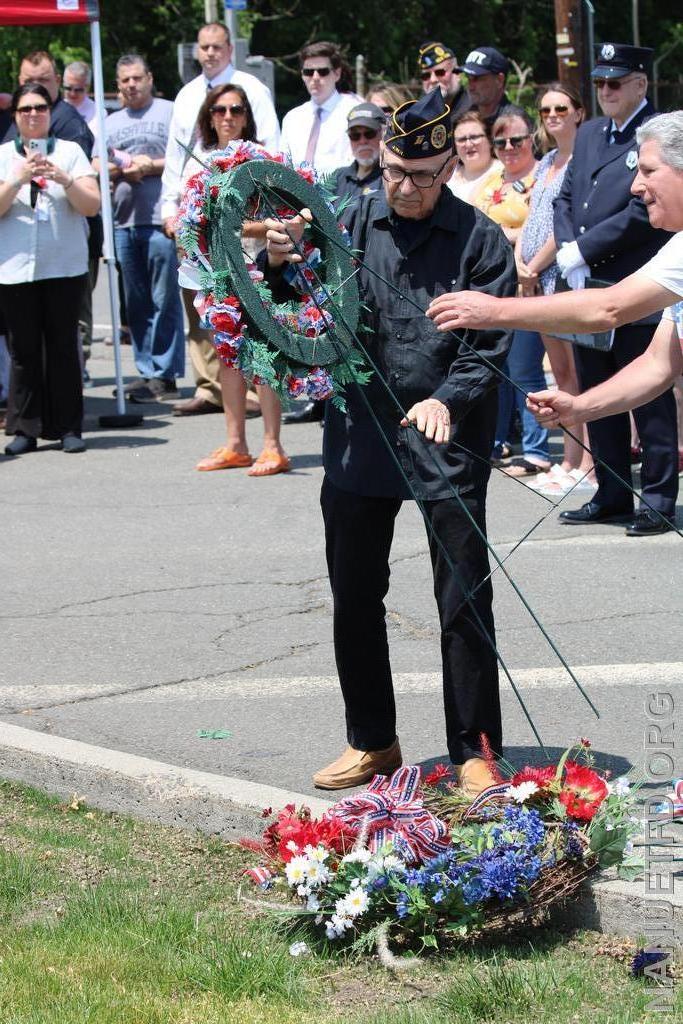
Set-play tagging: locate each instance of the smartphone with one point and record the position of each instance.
(37, 146)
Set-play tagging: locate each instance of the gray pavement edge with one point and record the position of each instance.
(231, 808)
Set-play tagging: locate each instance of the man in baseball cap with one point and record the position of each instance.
(438, 65)
(365, 124)
(486, 69)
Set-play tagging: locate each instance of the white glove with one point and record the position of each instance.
(569, 258)
(576, 278)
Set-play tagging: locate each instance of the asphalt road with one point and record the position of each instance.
(145, 602)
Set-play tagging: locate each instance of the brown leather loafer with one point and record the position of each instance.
(356, 767)
(195, 407)
(474, 776)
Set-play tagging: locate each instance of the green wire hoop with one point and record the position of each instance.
(225, 251)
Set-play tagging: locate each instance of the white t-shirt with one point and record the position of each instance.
(185, 109)
(666, 269)
(50, 239)
(333, 148)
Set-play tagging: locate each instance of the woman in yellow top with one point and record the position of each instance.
(504, 195)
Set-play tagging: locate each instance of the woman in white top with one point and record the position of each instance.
(226, 116)
(475, 156)
(47, 189)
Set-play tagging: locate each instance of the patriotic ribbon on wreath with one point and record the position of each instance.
(492, 794)
(260, 876)
(392, 812)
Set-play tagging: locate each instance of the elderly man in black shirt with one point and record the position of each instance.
(423, 242)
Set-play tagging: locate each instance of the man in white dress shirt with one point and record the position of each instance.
(215, 57)
(75, 86)
(315, 132)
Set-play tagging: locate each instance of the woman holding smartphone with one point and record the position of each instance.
(47, 189)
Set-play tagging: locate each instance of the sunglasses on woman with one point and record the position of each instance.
(439, 72)
(560, 109)
(356, 134)
(235, 109)
(309, 72)
(516, 141)
(35, 108)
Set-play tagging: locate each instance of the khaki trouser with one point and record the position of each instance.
(205, 362)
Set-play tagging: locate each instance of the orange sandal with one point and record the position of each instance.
(224, 458)
(269, 463)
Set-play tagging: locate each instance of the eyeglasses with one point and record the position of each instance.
(438, 72)
(560, 109)
(420, 179)
(73, 88)
(236, 109)
(309, 72)
(613, 84)
(356, 134)
(34, 108)
(470, 138)
(515, 141)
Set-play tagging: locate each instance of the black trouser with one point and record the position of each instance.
(46, 397)
(358, 532)
(610, 438)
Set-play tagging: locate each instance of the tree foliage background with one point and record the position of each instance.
(387, 34)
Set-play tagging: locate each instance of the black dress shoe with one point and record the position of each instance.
(72, 444)
(306, 412)
(21, 445)
(647, 524)
(592, 513)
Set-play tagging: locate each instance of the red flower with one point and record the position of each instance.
(541, 776)
(497, 196)
(583, 790)
(437, 774)
(294, 830)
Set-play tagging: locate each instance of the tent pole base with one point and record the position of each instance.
(120, 420)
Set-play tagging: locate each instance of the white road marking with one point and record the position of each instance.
(592, 677)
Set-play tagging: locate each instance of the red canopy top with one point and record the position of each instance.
(47, 12)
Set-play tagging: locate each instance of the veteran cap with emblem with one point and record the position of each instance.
(366, 115)
(486, 60)
(431, 54)
(421, 128)
(616, 60)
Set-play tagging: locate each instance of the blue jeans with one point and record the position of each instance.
(149, 268)
(524, 366)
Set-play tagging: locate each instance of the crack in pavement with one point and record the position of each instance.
(256, 621)
(593, 618)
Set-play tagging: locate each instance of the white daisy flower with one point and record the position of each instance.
(361, 856)
(317, 853)
(312, 903)
(523, 792)
(298, 949)
(317, 873)
(620, 786)
(356, 903)
(295, 870)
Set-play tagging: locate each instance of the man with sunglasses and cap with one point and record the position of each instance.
(603, 233)
(438, 66)
(487, 70)
(422, 241)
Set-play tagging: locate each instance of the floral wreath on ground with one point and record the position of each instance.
(425, 866)
(223, 314)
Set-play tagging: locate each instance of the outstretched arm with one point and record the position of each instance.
(595, 309)
(639, 382)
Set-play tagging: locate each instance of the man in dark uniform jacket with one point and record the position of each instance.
(438, 65)
(487, 70)
(424, 242)
(603, 232)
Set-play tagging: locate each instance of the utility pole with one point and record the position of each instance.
(210, 11)
(573, 59)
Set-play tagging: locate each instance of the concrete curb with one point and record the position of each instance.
(231, 808)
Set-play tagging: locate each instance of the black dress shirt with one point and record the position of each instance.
(457, 247)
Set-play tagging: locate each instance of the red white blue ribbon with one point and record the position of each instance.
(492, 794)
(390, 810)
(260, 876)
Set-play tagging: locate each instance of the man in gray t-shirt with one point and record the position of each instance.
(136, 139)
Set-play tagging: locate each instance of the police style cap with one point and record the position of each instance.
(486, 60)
(431, 54)
(421, 128)
(366, 115)
(616, 60)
